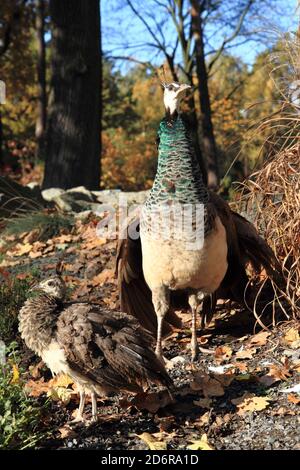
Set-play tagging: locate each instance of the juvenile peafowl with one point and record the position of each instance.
(158, 270)
(102, 350)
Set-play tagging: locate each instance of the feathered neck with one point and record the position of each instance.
(37, 321)
(178, 176)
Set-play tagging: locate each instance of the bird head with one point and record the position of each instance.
(173, 94)
(54, 287)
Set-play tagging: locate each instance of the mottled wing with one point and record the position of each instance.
(128, 348)
(75, 334)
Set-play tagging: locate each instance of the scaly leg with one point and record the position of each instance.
(94, 407)
(161, 302)
(194, 301)
(79, 418)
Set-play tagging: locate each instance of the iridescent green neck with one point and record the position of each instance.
(178, 176)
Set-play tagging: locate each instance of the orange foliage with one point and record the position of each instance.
(128, 164)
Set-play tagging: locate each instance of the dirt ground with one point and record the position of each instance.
(239, 394)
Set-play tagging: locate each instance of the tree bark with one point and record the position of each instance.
(209, 144)
(73, 129)
(41, 120)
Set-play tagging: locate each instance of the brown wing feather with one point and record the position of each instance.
(109, 348)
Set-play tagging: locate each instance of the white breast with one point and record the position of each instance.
(55, 358)
(169, 263)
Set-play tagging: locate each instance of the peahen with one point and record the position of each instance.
(155, 273)
(102, 350)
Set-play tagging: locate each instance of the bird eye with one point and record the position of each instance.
(170, 87)
(50, 283)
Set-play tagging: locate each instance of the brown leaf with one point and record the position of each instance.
(36, 388)
(156, 441)
(208, 385)
(102, 278)
(292, 398)
(245, 353)
(260, 339)
(250, 402)
(203, 402)
(276, 373)
(67, 432)
(20, 249)
(151, 401)
(222, 354)
(291, 338)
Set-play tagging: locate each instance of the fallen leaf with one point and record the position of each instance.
(260, 339)
(20, 249)
(293, 399)
(151, 401)
(62, 394)
(245, 353)
(36, 388)
(152, 442)
(222, 354)
(204, 419)
(276, 373)
(67, 432)
(102, 278)
(292, 338)
(250, 402)
(61, 380)
(203, 402)
(210, 387)
(202, 444)
(15, 374)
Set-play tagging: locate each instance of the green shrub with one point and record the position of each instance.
(49, 224)
(13, 294)
(20, 415)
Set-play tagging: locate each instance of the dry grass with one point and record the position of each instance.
(272, 199)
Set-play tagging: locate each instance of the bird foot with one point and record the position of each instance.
(79, 419)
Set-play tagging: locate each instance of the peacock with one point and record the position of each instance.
(158, 270)
(102, 350)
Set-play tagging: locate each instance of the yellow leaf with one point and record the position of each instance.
(201, 444)
(152, 442)
(249, 402)
(60, 394)
(61, 380)
(15, 374)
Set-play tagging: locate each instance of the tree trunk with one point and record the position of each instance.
(40, 128)
(209, 144)
(73, 130)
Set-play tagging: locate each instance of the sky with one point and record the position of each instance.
(124, 35)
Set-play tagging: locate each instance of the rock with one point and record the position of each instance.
(73, 200)
(51, 193)
(113, 197)
(81, 193)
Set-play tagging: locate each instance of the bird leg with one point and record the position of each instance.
(161, 302)
(79, 418)
(194, 301)
(94, 407)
